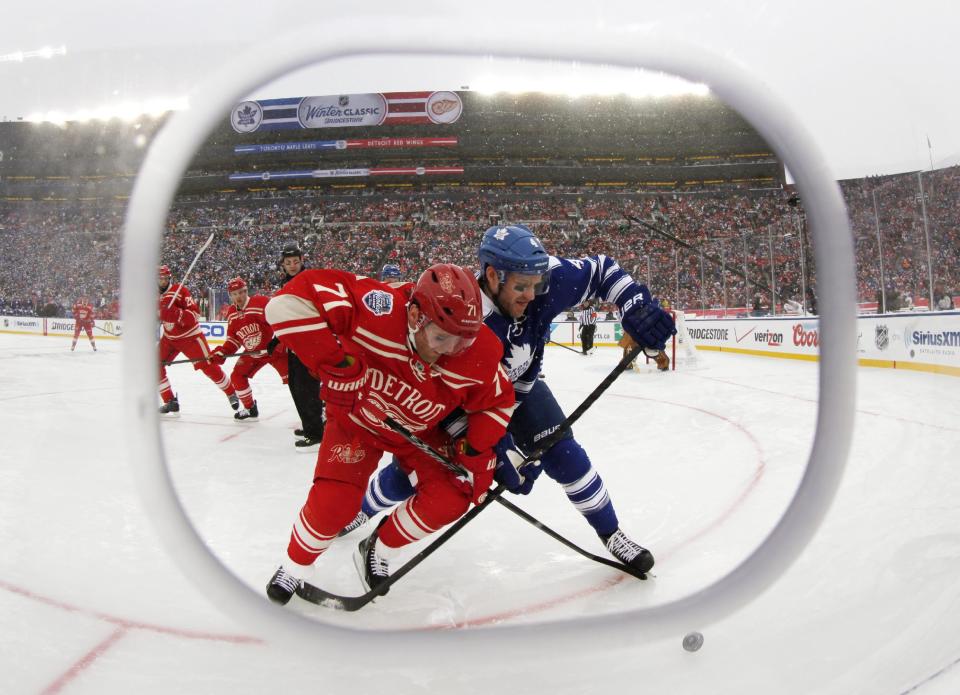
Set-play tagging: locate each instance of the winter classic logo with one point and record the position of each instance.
(343, 110)
(246, 117)
(882, 336)
(379, 302)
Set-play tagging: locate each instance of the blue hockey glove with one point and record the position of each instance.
(646, 322)
(508, 458)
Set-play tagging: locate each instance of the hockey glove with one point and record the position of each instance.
(217, 356)
(646, 322)
(343, 385)
(479, 465)
(169, 314)
(272, 345)
(507, 474)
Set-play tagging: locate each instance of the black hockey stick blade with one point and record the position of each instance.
(321, 597)
(633, 572)
(565, 347)
(314, 594)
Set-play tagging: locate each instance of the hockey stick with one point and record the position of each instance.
(315, 594)
(565, 347)
(190, 269)
(106, 331)
(437, 456)
(258, 353)
(713, 259)
(570, 544)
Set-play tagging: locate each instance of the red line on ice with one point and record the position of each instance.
(609, 583)
(128, 624)
(84, 662)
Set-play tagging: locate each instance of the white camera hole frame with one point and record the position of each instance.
(157, 182)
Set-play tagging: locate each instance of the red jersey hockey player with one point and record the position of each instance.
(247, 328)
(83, 320)
(413, 353)
(181, 333)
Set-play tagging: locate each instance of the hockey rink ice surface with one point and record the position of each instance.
(700, 465)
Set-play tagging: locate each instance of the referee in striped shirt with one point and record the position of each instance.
(588, 326)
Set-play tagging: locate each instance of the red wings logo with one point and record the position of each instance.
(446, 283)
(347, 454)
(442, 106)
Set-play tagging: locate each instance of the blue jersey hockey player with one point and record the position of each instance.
(390, 273)
(524, 288)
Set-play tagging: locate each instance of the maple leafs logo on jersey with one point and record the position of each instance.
(378, 302)
(519, 360)
(501, 234)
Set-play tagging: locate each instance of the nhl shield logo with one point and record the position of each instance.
(344, 100)
(882, 337)
(378, 302)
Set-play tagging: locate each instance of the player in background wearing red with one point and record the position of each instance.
(409, 352)
(83, 320)
(247, 328)
(181, 333)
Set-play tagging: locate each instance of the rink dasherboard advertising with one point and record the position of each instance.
(35, 325)
(915, 340)
(709, 333)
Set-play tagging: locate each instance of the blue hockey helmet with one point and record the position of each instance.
(391, 271)
(514, 249)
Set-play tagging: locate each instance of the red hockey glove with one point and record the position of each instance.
(480, 466)
(169, 314)
(217, 356)
(343, 386)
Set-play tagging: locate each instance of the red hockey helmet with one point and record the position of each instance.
(236, 284)
(449, 297)
(164, 271)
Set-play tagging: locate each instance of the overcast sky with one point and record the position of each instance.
(870, 80)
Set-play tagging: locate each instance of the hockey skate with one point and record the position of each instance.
(359, 520)
(247, 413)
(307, 441)
(234, 401)
(170, 407)
(282, 586)
(628, 552)
(373, 568)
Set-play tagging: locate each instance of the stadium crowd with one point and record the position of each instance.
(696, 249)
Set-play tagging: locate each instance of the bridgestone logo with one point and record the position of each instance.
(710, 333)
